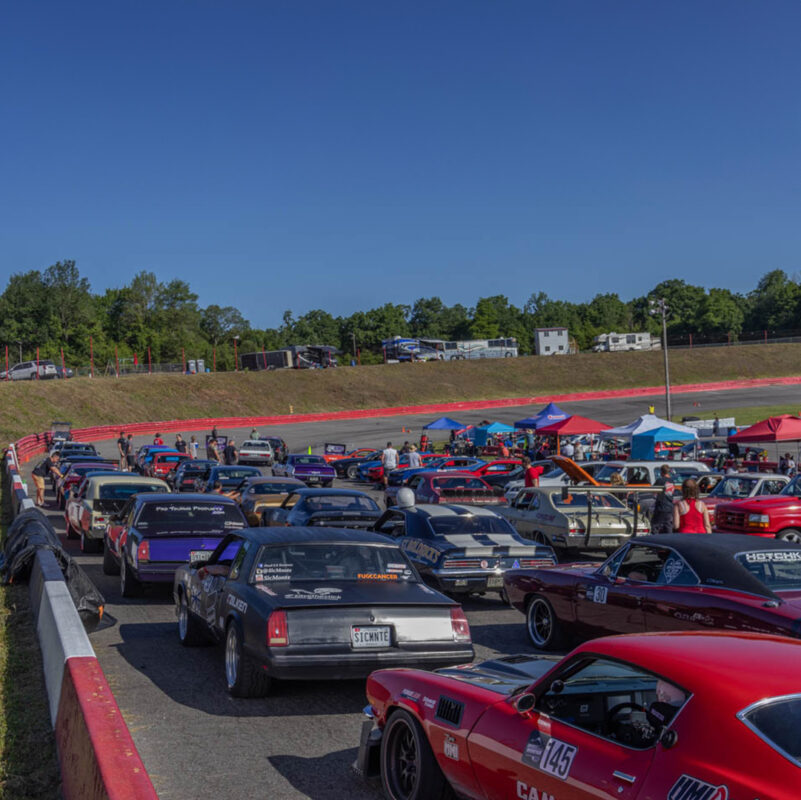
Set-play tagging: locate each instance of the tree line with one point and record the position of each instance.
(55, 309)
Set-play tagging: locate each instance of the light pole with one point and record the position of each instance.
(353, 336)
(236, 359)
(661, 308)
(19, 342)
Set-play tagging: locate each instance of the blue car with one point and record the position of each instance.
(229, 476)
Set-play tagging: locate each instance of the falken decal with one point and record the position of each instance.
(689, 788)
(235, 602)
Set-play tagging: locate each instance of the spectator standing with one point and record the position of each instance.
(504, 450)
(389, 460)
(122, 447)
(254, 435)
(415, 462)
(662, 518)
(130, 454)
(578, 454)
(212, 451)
(180, 444)
(214, 434)
(690, 515)
(157, 440)
(230, 453)
(405, 448)
(716, 426)
(44, 469)
(791, 466)
(568, 450)
(531, 474)
(193, 446)
(424, 441)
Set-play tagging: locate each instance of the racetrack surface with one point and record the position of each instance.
(197, 742)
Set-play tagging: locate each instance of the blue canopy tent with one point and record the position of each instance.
(444, 424)
(550, 414)
(643, 444)
(485, 431)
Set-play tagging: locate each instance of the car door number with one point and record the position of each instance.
(557, 758)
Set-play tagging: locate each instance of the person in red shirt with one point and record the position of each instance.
(531, 475)
(157, 440)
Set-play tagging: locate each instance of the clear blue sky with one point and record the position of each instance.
(342, 154)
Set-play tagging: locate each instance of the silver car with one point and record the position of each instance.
(26, 371)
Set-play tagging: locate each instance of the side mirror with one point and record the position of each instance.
(556, 686)
(525, 703)
(668, 739)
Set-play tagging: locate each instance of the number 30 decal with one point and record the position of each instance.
(557, 758)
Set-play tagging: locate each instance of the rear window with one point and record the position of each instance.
(339, 503)
(271, 488)
(779, 570)
(458, 483)
(470, 524)
(256, 446)
(576, 500)
(778, 722)
(332, 562)
(122, 491)
(309, 460)
(174, 516)
(236, 472)
(92, 468)
(172, 458)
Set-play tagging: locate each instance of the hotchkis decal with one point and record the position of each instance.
(689, 788)
(773, 556)
(321, 593)
(235, 602)
(526, 792)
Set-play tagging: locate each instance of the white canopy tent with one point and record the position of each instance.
(646, 422)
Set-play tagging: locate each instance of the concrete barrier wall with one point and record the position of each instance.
(96, 753)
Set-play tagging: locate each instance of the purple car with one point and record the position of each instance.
(312, 470)
(154, 534)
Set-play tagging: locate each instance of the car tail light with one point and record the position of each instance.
(461, 630)
(143, 552)
(277, 630)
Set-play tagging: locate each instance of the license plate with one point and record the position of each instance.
(312, 479)
(609, 542)
(362, 637)
(495, 582)
(200, 555)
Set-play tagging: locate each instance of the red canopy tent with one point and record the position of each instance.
(784, 428)
(573, 426)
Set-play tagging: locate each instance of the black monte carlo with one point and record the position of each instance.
(315, 603)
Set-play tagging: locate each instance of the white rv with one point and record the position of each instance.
(619, 342)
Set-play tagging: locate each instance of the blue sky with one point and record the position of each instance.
(340, 155)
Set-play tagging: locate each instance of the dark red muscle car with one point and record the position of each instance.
(682, 716)
(665, 583)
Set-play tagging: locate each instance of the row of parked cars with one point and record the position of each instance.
(299, 581)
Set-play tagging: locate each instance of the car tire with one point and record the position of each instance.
(190, 632)
(71, 532)
(540, 538)
(352, 472)
(542, 625)
(409, 770)
(129, 585)
(88, 545)
(243, 677)
(790, 535)
(110, 565)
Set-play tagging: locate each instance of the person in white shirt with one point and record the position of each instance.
(389, 460)
(415, 462)
(568, 450)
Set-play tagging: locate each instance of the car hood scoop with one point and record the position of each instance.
(503, 675)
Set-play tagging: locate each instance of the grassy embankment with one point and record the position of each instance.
(28, 764)
(27, 407)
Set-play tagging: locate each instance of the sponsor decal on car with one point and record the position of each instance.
(597, 594)
(689, 788)
(321, 593)
(772, 556)
(408, 693)
(429, 702)
(423, 551)
(377, 576)
(526, 792)
(450, 748)
(672, 569)
(549, 755)
(237, 603)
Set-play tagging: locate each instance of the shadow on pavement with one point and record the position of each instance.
(325, 777)
(194, 677)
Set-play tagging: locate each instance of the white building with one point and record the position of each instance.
(551, 342)
(618, 342)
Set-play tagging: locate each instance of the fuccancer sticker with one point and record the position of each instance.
(378, 576)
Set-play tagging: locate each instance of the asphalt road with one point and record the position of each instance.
(199, 743)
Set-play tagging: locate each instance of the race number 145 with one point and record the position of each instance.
(557, 758)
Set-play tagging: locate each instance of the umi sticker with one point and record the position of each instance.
(689, 788)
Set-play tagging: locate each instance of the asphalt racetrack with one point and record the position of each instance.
(200, 744)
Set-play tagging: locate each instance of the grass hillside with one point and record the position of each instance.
(30, 406)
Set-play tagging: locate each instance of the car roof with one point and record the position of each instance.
(124, 477)
(769, 475)
(229, 467)
(703, 553)
(741, 667)
(310, 492)
(311, 535)
(185, 497)
(277, 479)
(450, 510)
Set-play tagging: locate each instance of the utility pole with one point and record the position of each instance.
(353, 336)
(19, 342)
(661, 308)
(236, 359)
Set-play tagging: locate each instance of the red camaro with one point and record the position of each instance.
(671, 716)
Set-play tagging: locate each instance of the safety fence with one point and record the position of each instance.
(97, 756)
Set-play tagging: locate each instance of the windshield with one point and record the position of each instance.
(76, 470)
(470, 525)
(173, 516)
(339, 503)
(332, 562)
(793, 488)
(734, 487)
(608, 470)
(232, 473)
(580, 500)
(308, 460)
(122, 491)
(779, 570)
(778, 721)
(554, 473)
